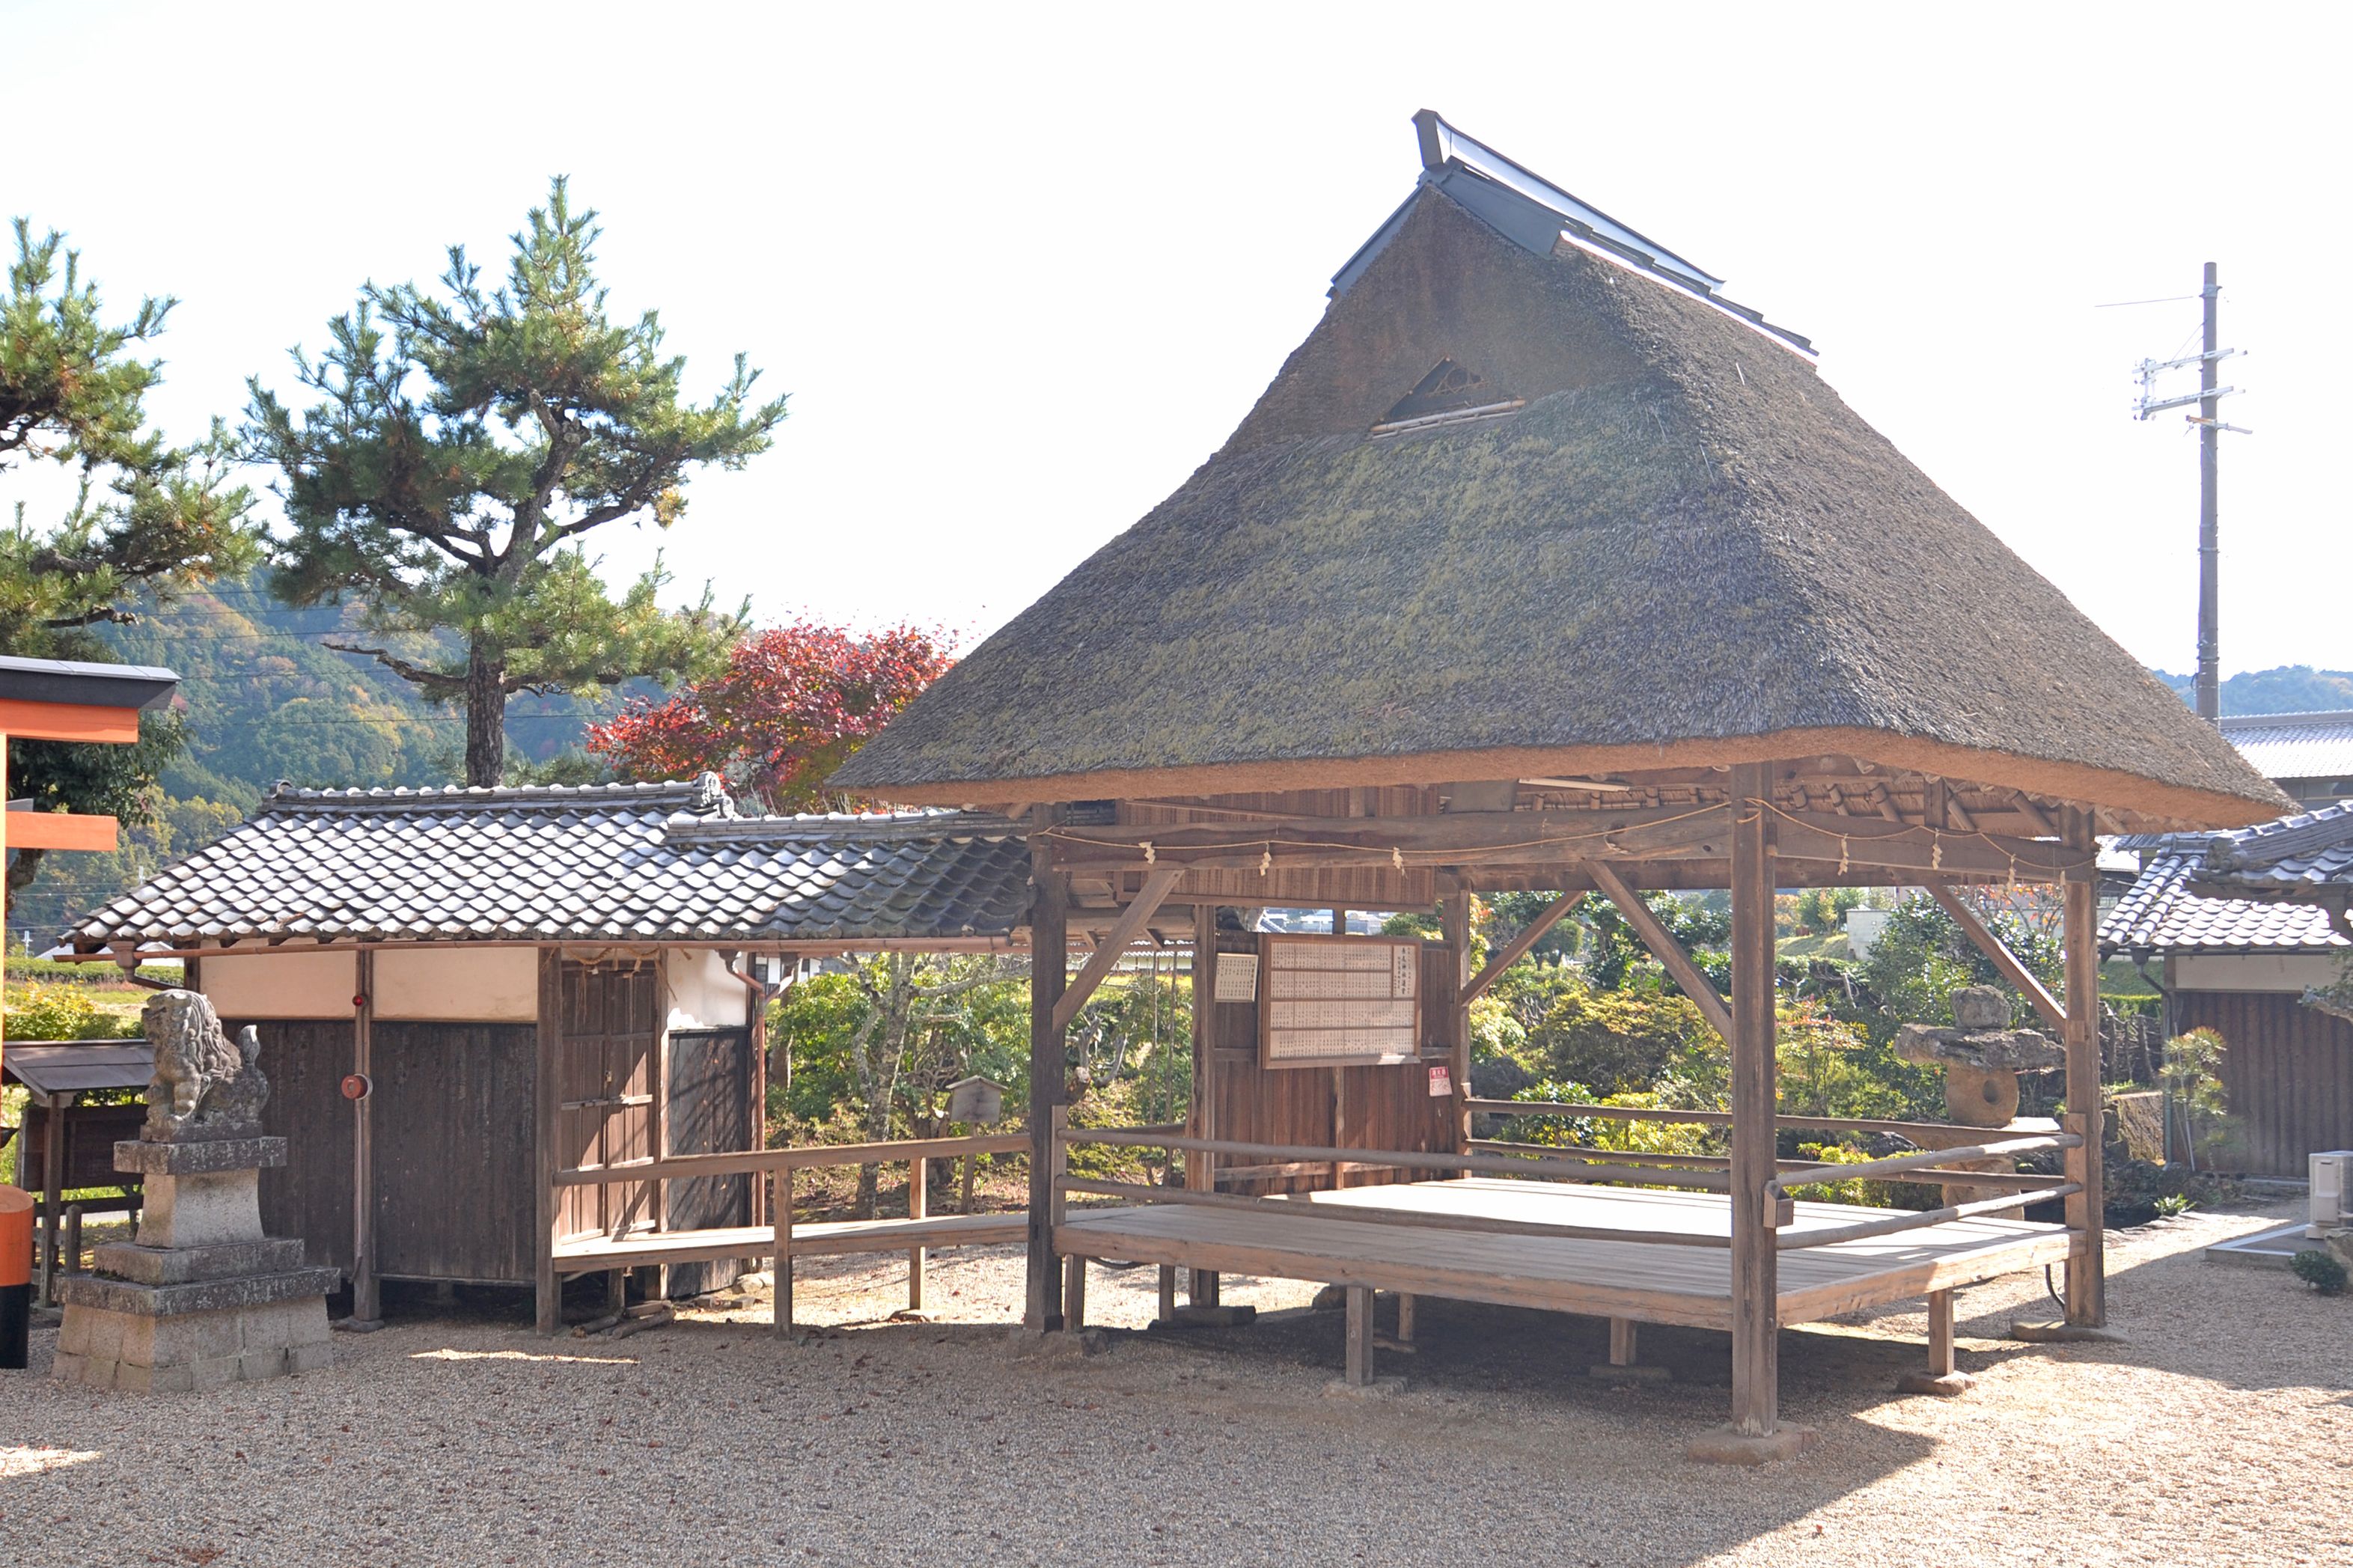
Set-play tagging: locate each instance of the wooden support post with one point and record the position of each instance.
(2087, 1306)
(366, 1305)
(546, 1157)
(1048, 967)
(783, 1269)
(1360, 1336)
(1074, 1294)
(616, 1290)
(1404, 1319)
(53, 1188)
(1940, 1334)
(1201, 1168)
(1168, 1292)
(1755, 1375)
(919, 1176)
(1621, 1341)
(1454, 913)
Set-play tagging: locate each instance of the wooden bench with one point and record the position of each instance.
(599, 1254)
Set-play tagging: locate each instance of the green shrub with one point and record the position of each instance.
(2320, 1271)
(57, 1013)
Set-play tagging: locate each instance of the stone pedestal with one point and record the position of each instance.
(202, 1298)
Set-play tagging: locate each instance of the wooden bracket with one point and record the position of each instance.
(1663, 947)
(1517, 948)
(1993, 947)
(1157, 886)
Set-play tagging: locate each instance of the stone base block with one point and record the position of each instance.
(186, 1265)
(1951, 1385)
(199, 1157)
(2063, 1334)
(191, 1351)
(1723, 1445)
(196, 1296)
(1609, 1373)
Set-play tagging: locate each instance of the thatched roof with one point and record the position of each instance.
(1666, 543)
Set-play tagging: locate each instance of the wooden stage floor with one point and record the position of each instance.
(1656, 1282)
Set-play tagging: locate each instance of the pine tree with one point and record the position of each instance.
(463, 443)
(150, 519)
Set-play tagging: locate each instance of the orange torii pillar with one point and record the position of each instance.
(54, 700)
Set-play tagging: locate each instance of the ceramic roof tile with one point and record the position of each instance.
(556, 863)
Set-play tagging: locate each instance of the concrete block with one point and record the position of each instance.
(133, 1379)
(260, 1366)
(67, 1367)
(310, 1326)
(310, 1356)
(73, 1335)
(209, 1373)
(179, 1266)
(171, 1379)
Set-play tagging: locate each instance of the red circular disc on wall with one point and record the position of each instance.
(356, 1086)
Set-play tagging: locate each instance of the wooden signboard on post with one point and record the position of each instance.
(1339, 1001)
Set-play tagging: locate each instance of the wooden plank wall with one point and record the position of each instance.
(710, 1114)
(2288, 1073)
(310, 1197)
(453, 1151)
(1374, 1108)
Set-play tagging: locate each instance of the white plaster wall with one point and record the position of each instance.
(2254, 971)
(702, 994)
(457, 984)
(279, 984)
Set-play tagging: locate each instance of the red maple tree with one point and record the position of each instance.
(794, 702)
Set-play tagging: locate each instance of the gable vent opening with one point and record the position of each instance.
(1450, 394)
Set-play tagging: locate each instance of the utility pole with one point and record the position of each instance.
(2209, 426)
(2209, 552)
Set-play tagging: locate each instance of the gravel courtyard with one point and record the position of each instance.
(2220, 1431)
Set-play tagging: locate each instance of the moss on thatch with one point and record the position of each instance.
(1684, 541)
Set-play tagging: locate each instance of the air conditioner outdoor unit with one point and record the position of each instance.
(2332, 1192)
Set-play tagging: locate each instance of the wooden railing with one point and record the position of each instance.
(1907, 1166)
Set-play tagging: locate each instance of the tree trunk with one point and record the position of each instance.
(485, 716)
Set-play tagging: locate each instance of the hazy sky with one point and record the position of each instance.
(1022, 269)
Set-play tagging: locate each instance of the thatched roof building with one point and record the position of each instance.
(1533, 499)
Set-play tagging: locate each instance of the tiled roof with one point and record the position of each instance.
(2293, 745)
(2307, 857)
(668, 862)
(2295, 857)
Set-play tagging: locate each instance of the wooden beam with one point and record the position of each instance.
(546, 1118)
(1517, 948)
(1755, 1372)
(1130, 924)
(1668, 951)
(60, 830)
(2079, 937)
(68, 721)
(1454, 920)
(1994, 948)
(1048, 969)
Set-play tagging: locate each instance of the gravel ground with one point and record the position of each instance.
(2221, 1430)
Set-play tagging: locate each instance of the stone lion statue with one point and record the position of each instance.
(203, 1087)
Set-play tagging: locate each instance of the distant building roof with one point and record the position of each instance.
(2265, 888)
(623, 863)
(2293, 745)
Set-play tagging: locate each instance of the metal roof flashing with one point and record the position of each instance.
(1539, 216)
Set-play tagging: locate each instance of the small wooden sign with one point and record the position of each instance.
(1339, 1001)
(1237, 977)
(1441, 1084)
